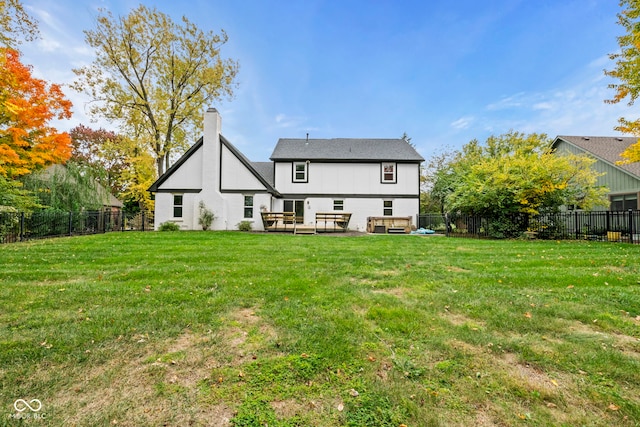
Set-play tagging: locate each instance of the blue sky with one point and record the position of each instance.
(443, 72)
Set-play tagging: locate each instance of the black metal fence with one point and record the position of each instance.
(621, 226)
(21, 226)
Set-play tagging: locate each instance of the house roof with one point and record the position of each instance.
(606, 148)
(260, 170)
(266, 171)
(345, 149)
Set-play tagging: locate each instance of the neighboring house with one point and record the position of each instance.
(109, 201)
(365, 177)
(623, 181)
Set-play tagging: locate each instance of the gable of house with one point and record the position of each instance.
(622, 180)
(184, 175)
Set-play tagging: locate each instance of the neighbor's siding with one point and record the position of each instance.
(614, 179)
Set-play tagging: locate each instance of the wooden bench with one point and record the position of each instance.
(389, 224)
(279, 221)
(332, 221)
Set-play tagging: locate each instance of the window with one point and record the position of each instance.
(388, 173)
(338, 205)
(388, 208)
(248, 206)
(177, 205)
(300, 172)
(624, 202)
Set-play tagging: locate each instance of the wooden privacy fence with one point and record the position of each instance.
(21, 226)
(619, 226)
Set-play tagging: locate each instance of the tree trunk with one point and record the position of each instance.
(160, 165)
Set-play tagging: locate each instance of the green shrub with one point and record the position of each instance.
(206, 216)
(245, 226)
(169, 226)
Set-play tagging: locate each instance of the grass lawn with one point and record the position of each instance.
(248, 329)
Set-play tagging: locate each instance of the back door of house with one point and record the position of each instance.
(296, 206)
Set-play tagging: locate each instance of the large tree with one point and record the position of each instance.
(117, 163)
(627, 71)
(102, 151)
(516, 173)
(15, 24)
(27, 105)
(154, 76)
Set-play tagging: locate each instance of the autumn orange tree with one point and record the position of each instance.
(28, 142)
(627, 70)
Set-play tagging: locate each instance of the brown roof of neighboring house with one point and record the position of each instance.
(606, 148)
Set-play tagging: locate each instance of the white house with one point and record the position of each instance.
(365, 177)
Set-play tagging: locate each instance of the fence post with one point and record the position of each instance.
(21, 226)
(70, 223)
(446, 223)
(575, 225)
(144, 220)
(630, 225)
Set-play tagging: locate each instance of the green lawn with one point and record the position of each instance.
(248, 329)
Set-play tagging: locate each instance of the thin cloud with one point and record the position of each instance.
(514, 101)
(462, 122)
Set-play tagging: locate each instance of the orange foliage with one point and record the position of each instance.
(27, 141)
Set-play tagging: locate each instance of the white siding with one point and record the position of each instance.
(360, 208)
(347, 178)
(187, 176)
(235, 210)
(235, 175)
(164, 210)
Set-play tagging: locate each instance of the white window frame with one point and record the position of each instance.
(305, 172)
(246, 207)
(388, 173)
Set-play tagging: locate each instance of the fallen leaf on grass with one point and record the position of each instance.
(613, 407)
(354, 393)
(527, 315)
(555, 383)
(340, 407)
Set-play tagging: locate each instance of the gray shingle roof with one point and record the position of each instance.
(345, 149)
(266, 170)
(607, 148)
